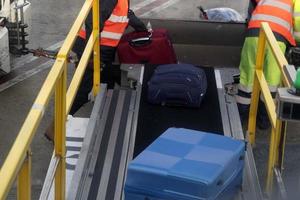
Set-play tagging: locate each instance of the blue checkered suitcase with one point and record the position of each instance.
(184, 164)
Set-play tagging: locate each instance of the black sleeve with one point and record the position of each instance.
(135, 22)
(106, 8)
(252, 5)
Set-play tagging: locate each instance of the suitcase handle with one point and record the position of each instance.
(138, 42)
(142, 41)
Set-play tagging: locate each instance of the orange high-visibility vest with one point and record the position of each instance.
(278, 13)
(114, 26)
(82, 33)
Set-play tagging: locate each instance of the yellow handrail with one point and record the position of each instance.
(18, 161)
(266, 37)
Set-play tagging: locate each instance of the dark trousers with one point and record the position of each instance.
(109, 75)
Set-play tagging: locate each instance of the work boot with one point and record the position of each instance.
(262, 118)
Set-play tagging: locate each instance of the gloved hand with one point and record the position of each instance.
(135, 22)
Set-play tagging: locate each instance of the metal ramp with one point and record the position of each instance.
(111, 136)
(107, 148)
(232, 128)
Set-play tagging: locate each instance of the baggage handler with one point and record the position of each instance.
(293, 54)
(296, 21)
(115, 16)
(279, 15)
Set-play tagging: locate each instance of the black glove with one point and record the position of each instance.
(135, 22)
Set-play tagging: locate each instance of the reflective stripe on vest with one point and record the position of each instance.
(244, 88)
(111, 35)
(247, 100)
(115, 25)
(297, 20)
(278, 13)
(243, 100)
(278, 4)
(118, 19)
(273, 19)
(297, 36)
(82, 34)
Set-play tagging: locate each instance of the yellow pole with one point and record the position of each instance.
(273, 155)
(256, 87)
(253, 111)
(278, 141)
(269, 183)
(24, 178)
(282, 144)
(60, 132)
(81, 67)
(96, 54)
(13, 164)
(278, 55)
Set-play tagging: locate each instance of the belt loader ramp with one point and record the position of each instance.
(119, 128)
(121, 108)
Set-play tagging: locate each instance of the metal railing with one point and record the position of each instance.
(18, 162)
(260, 85)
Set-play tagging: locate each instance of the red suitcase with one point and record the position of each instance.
(145, 47)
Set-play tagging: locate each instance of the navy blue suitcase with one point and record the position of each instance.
(184, 164)
(177, 84)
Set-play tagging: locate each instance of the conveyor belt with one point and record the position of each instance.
(154, 119)
(123, 118)
(105, 176)
(103, 172)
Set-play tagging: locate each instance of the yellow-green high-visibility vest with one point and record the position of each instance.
(297, 20)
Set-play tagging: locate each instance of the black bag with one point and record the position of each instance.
(177, 84)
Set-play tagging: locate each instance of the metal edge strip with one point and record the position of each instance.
(49, 177)
(87, 181)
(230, 112)
(96, 171)
(123, 163)
(134, 126)
(222, 104)
(111, 147)
(282, 189)
(86, 146)
(119, 149)
(135, 118)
